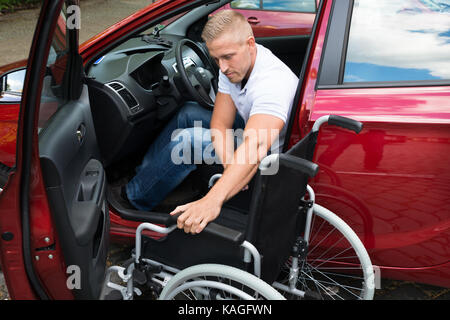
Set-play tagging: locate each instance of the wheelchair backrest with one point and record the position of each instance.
(305, 147)
(273, 217)
(275, 209)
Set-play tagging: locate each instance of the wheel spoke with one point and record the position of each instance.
(320, 286)
(318, 244)
(335, 265)
(330, 259)
(334, 282)
(330, 248)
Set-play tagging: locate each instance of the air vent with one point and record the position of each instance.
(126, 96)
(116, 86)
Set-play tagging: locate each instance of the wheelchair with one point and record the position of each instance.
(285, 247)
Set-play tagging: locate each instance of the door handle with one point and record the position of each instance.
(253, 20)
(81, 132)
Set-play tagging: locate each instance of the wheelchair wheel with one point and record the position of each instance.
(336, 266)
(217, 282)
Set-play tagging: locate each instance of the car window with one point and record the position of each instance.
(290, 5)
(52, 94)
(398, 40)
(276, 5)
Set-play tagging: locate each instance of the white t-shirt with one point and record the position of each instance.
(270, 89)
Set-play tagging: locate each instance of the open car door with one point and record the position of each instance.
(54, 217)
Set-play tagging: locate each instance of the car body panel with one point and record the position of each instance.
(12, 66)
(9, 115)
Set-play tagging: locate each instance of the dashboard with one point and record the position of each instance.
(134, 90)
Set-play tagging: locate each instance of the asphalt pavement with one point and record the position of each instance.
(17, 28)
(16, 32)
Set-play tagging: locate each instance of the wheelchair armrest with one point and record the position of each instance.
(269, 164)
(216, 230)
(168, 220)
(307, 167)
(225, 233)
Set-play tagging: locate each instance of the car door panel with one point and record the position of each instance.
(75, 183)
(390, 183)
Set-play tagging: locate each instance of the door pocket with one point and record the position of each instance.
(87, 207)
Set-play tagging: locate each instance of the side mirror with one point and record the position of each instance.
(11, 86)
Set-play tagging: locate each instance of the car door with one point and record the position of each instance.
(54, 217)
(385, 64)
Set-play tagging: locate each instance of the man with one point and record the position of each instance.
(253, 83)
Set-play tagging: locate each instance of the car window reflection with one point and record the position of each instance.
(290, 5)
(398, 40)
(245, 4)
(276, 5)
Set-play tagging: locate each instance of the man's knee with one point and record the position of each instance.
(186, 111)
(191, 112)
(189, 145)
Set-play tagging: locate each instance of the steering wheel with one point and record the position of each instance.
(197, 80)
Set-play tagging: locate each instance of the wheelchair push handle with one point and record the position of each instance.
(347, 123)
(339, 121)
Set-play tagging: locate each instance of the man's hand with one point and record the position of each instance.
(196, 215)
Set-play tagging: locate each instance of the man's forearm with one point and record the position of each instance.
(223, 145)
(243, 183)
(231, 181)
(239, 173)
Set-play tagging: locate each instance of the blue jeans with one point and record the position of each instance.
(163, 167)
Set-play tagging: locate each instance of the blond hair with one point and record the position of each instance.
(227, 21)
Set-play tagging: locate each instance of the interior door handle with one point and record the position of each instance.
(253, 20)
(81, 132)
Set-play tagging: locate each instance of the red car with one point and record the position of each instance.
(373, 63)
(277, 18)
